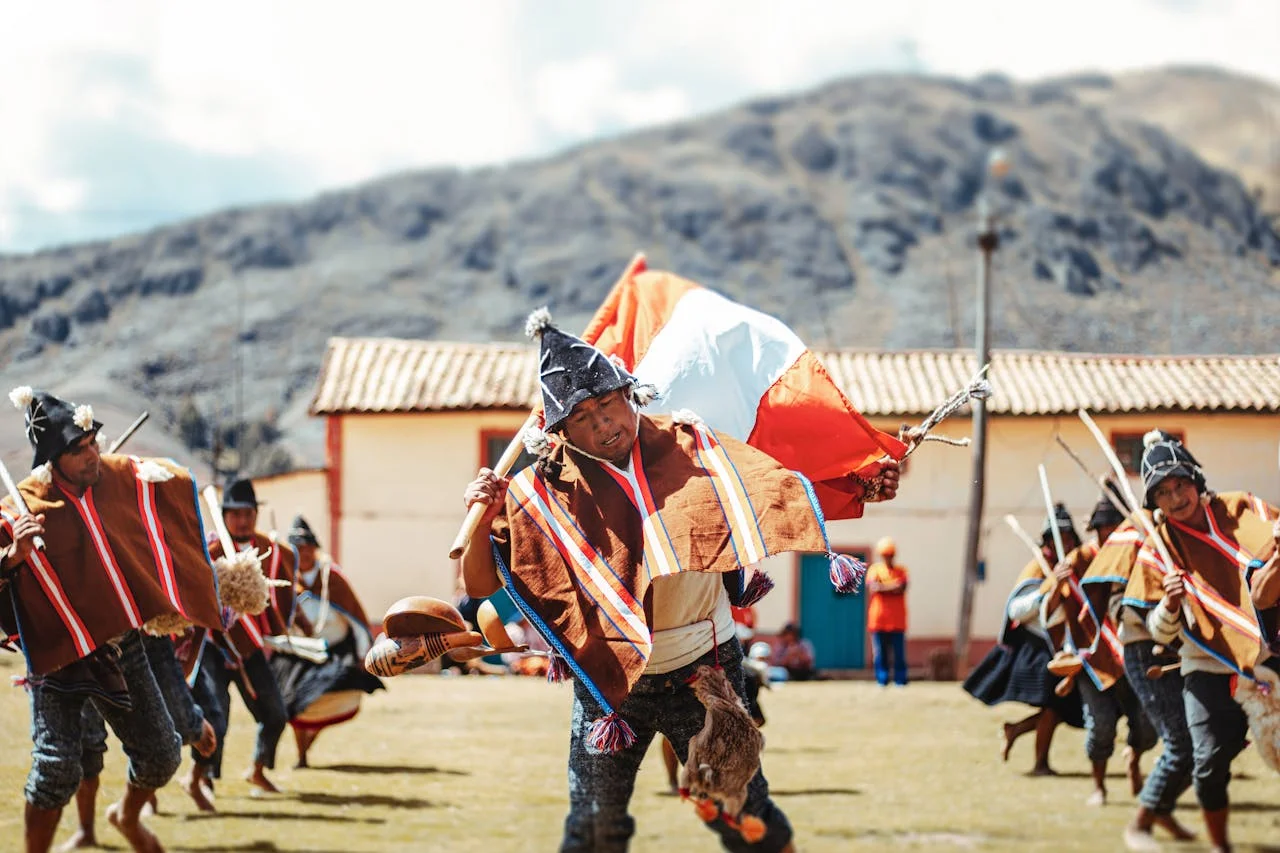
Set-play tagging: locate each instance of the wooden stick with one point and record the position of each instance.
(1030, 543)
(128, 433)
(512, 453)
(1122, 479)
(1058, 549)
(215, 509)
(1106, 485)
(1157, 671)
(1053, 516)
(509, 457)
(18, 503)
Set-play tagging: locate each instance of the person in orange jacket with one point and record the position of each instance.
(887, 614)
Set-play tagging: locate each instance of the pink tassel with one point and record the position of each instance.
(847, 572)
(557, 670)
(610, 734)
(757, 588)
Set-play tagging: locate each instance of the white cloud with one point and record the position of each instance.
(342, 93)
(582, 97)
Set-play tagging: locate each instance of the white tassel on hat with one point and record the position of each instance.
(538, 320)
(1152, 438)
(644, 394)
(84, 417)
(43, 474)
(536, 441)
(21, 396)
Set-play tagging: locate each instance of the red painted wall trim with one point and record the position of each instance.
(333, 466)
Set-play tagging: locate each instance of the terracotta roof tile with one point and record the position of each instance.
(391, 375)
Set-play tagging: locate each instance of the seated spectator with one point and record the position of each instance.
(792, 655)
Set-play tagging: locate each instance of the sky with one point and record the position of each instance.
(118, 116)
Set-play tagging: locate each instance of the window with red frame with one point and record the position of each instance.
(1128, 446)
(492, 445)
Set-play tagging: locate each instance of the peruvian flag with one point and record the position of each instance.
(747, 375)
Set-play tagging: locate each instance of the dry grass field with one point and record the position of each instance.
(473, 764)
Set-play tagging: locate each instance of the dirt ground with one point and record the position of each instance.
(478, 764)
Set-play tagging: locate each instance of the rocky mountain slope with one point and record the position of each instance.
(848, 211)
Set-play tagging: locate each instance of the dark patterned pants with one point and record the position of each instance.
(186, 715)
(267, 707)
(1162, 701)
(1102, 712)
(146, 732)
(1218, 730)
(601, 784)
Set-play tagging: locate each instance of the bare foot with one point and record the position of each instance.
(1139, 840)
(1097, 798)
(256, 777)
(141, 839)
(198, 793)
(1133, 768)
(82, 839)
(1007, 735)
(1045, 770)
(1170, 824)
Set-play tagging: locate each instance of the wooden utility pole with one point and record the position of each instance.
(988, 242)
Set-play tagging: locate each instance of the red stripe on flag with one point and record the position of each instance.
(807, 423)
(634, 312)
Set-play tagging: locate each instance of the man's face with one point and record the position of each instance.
(240, 523)
(1177, 498)
(306, 555)
(81, 463)
(604, 426)
(1069, 544)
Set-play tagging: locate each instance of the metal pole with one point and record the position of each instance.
(988, 242)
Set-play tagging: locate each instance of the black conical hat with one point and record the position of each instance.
(1062, 520)
(52, 424)
(570, 369)
(239, 494)
(1163, 457)
(300, 533)
(1105, 514)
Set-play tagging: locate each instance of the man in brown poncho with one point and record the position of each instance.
(122, 549)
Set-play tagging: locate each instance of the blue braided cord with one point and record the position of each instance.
(545, 631)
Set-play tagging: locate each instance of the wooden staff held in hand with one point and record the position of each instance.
(28, 529)
(509, 456)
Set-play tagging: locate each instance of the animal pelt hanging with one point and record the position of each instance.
(724, 756)
(1261, 704)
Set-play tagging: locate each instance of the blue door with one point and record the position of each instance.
(834, 622)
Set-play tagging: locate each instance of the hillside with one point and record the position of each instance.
(847, 210)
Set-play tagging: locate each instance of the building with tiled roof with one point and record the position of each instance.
(391, 375)
(409, 422)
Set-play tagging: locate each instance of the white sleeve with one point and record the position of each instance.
(1026, 607)
(1163, 625)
